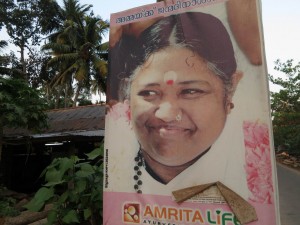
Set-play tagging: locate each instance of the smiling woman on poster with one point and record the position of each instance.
(179, 77)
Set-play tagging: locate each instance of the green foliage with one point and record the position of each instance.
(7, 209)
(7, 205)
(41, 196)
(5, 6)
(49, 16)
(285, 106)
(76, 62)
(74, 186)
(20, 105)
(22, 23)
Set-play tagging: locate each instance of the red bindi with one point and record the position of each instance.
(170, 82)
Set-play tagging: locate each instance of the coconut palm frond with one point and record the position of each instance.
(102, 67)
(63, 59)
(63, 76)
(104, 46)
(103, 25)
(81, 73)
(57, 48)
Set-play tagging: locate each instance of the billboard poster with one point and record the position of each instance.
(188, 137)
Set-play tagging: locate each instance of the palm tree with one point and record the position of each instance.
(77, 48)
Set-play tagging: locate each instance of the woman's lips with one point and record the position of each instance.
(169, 131)
(165, 132)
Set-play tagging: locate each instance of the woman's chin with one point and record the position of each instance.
(166, 155)
(173, 162)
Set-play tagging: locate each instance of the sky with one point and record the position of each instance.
(280, 19)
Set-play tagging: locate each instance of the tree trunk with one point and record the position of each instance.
(22, 60)
(57, 97)
(48, 93)
(1, 141)
(76, 95)
(1, 145)
(66, 96)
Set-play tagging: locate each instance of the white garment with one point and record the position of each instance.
(223, 162)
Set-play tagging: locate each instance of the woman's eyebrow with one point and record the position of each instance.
(151, 85)
(202, 82)
(185, 82)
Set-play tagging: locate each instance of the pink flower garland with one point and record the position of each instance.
(258, 162)
(120, 110)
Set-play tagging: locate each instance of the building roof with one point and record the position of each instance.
(84, 118)
(85, 121)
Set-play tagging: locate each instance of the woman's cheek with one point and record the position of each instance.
(141, 109)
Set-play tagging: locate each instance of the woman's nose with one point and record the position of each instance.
(168, 112)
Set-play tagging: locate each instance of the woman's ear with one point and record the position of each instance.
(235, 79)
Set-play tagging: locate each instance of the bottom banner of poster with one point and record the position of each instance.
(131, 208)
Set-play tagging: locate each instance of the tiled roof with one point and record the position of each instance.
(84, 119)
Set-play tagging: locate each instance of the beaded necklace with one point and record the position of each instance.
(139, 162)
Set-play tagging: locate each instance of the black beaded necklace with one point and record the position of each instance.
(139, 162)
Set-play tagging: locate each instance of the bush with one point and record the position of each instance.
(74, 186)
(7, 205)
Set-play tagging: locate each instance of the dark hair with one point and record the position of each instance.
(203, 34)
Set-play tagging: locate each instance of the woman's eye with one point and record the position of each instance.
(192, 93)
(148, 95)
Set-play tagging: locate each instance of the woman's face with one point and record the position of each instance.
(177, 106)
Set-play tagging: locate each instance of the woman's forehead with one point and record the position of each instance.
(170, 77)
(173, 57)
(171, 63)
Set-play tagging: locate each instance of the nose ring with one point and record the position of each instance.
(178, 118)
